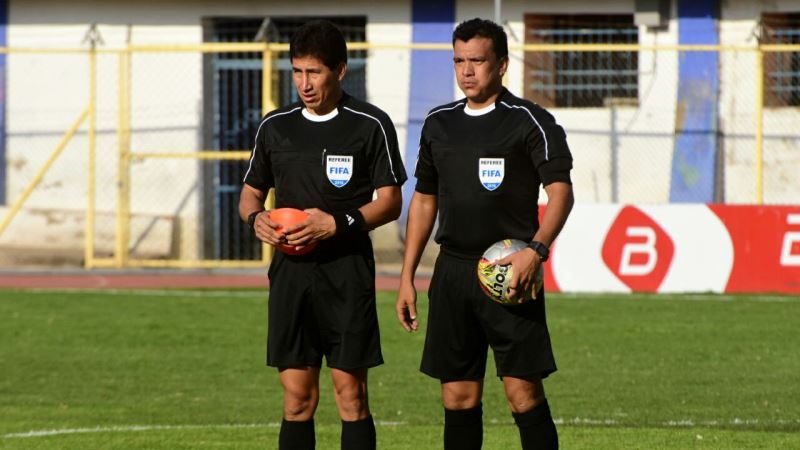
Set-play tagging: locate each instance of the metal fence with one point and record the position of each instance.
(136, 154)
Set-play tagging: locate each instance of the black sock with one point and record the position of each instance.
(359, 434)
(463, 428)
(536, 428)
(297, 435)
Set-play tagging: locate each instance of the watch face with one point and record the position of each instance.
(540, 249)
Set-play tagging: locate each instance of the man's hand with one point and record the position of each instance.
(266, 230)
(319, 226)
(406, 306)
(524, 265)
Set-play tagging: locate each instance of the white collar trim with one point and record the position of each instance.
(478, 112)
(322, 118)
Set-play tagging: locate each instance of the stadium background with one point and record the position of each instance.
(127, 126)
(124, 129)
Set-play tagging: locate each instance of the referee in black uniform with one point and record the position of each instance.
(466, 148)
(327, 155)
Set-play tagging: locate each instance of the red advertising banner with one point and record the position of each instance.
(677, 248)
(766, 244)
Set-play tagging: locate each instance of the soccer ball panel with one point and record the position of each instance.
(495, 279)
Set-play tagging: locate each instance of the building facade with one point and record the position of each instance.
(656, 125)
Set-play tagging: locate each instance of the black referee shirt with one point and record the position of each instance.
(486, 170)
(331, 162)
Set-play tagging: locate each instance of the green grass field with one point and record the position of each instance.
(185, 370)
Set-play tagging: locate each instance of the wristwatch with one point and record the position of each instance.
(251, 219)
(540, 249)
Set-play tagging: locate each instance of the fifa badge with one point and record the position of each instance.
(339, 169)
(491, 172)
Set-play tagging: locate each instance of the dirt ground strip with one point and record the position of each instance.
(87, 279)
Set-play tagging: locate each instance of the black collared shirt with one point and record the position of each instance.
(486, 170)
(333, 163)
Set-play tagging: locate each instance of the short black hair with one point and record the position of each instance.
(477, 27)
(322, 40)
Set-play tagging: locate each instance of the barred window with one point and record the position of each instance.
(581, 79)
(781, 69)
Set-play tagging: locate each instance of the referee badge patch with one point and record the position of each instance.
(339, 169)
(491, 172)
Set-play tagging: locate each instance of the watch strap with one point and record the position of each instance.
(540, 250)
(251, 219)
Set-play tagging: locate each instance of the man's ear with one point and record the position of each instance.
(503, 66)
(342, 69)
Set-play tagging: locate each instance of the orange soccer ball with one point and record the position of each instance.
(287, 217)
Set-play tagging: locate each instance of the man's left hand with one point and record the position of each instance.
(524, 265)
(317, 227)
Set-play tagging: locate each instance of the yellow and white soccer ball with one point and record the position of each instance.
(495, 279)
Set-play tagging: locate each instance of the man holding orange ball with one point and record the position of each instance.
(326, 156)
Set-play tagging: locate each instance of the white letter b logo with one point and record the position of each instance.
(789, 240)
(648, 247)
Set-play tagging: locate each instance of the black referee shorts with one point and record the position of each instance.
(463, 322)
(323, 304)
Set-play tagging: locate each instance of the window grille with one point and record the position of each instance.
(781, 69)
(580, 79)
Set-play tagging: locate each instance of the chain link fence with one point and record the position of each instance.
(171, 128)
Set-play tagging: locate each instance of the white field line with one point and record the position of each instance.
(129, 428)
(683, 423)
(732, 422)
(136, 428)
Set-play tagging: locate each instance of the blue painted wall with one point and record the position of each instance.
(432, 78)
(3, 43)
(696, 122)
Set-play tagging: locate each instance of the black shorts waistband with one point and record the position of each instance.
(335, 247)
(461, 254)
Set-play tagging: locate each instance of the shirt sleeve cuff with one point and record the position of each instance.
(427, 187)
(556, 170)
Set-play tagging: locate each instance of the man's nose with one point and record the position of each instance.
(306, 82)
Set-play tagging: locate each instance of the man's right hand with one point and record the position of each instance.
(406, 306)
(266, 230)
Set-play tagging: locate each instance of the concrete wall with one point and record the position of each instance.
(740, 26)
(48, 92)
